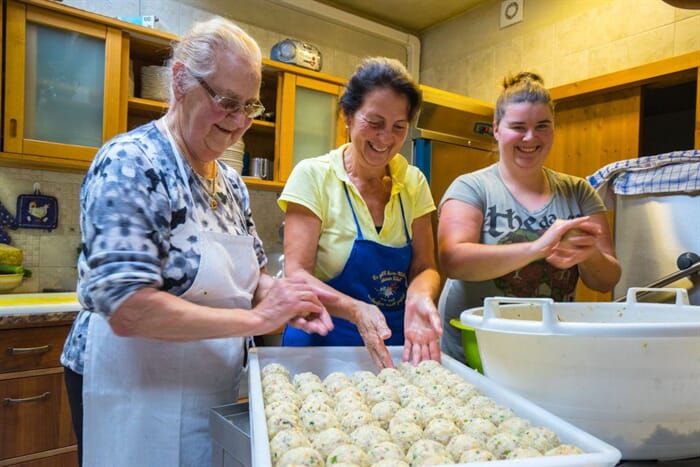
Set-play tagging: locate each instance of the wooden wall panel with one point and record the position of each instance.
(592, 131)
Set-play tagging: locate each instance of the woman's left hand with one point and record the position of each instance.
(422, 330)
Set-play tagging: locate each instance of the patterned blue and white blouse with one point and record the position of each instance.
(139, 228)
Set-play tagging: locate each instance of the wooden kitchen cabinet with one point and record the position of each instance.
(35, 414)
(61, 75)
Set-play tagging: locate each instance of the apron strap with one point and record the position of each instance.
(354, 216)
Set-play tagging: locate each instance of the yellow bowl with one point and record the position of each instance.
(9, 282)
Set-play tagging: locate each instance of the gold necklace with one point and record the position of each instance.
(212, 194)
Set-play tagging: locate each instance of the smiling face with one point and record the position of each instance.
(525, 135)
(206, 128)
(378, 128)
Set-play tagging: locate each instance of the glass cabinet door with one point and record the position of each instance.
(57, 101)
(316, 127)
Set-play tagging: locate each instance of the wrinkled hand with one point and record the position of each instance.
(374, 331)
(292, 299)
(422, 329)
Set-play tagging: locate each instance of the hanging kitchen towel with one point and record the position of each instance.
(37, 211)
(6, 219)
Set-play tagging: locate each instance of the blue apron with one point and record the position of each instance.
(374, 273)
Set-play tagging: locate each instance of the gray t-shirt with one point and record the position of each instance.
(507, 221)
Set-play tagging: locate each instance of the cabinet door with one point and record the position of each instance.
(312, 122)
(62, 92)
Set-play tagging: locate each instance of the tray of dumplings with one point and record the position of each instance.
(326, 406)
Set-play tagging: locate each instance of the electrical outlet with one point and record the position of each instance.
(511, 12)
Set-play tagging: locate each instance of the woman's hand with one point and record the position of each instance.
(572, 242)
(422, 329)
(296, 301)
(374, 331)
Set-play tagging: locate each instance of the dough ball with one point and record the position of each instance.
(306, 377)
(305, 456)
(274, 368)
(381, 393)
(419, 403)
(348, 393)
(366, 385)
(336, 381)
(368, 435)
(408, 393)
(385, 450)
(462, 415)
(479, 428)
(284, 396)
(464, 391)
(460, 443)
(407, 370)
(436, 392)
(476, 455)
(498, 414)
(502, 444)
(405, 434)
(421, 449)
(523, 453)
(515, 425)
(279, 422)
(450, 403)
(440, 430)
(326, 440)
(432, 412)
(310, 387)
(480, 405)
(564, 450)
(347, 406)
(428, 365)
(541, 438)
(286, 440)
(317, 421)
(406, 414)
(387, 374)
(274, 385)
(349, 454)
(432, 459)
(361, 375)
(274, 378)
(383, 412)
(279, 407)
(319, 398)
(353, 420)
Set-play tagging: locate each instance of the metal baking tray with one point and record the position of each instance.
(229, 427)
(324, 360)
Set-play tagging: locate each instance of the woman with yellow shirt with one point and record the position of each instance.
(359, 219)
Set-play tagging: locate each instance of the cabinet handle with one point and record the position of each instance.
(13, 127)
(25, 350)
(10, 401)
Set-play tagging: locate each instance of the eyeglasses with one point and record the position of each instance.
(250, 110)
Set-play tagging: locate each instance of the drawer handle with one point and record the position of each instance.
(25, 350)
(10, 401)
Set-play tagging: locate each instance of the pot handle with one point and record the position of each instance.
(549, 316)
(681, 294)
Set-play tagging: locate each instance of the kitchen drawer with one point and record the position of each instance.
(31, 348)
(36, 408)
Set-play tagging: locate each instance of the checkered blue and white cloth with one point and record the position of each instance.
(671, 172)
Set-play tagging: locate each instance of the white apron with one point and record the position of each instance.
(146, 402)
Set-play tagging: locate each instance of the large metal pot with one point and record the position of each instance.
(628, 373)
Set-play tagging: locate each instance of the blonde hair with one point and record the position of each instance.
(523, 87)
(199, 47)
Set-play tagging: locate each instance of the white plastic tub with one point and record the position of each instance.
(324, 360)
(628, 373)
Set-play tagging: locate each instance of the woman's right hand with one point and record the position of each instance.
(374, 331)
(293, 299)
(567, 243)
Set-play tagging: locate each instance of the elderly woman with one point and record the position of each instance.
(171, 273)
(359, 219)
(517, 228)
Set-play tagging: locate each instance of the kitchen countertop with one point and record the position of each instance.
(37, 309)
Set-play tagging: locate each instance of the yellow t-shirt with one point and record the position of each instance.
(317, 184)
